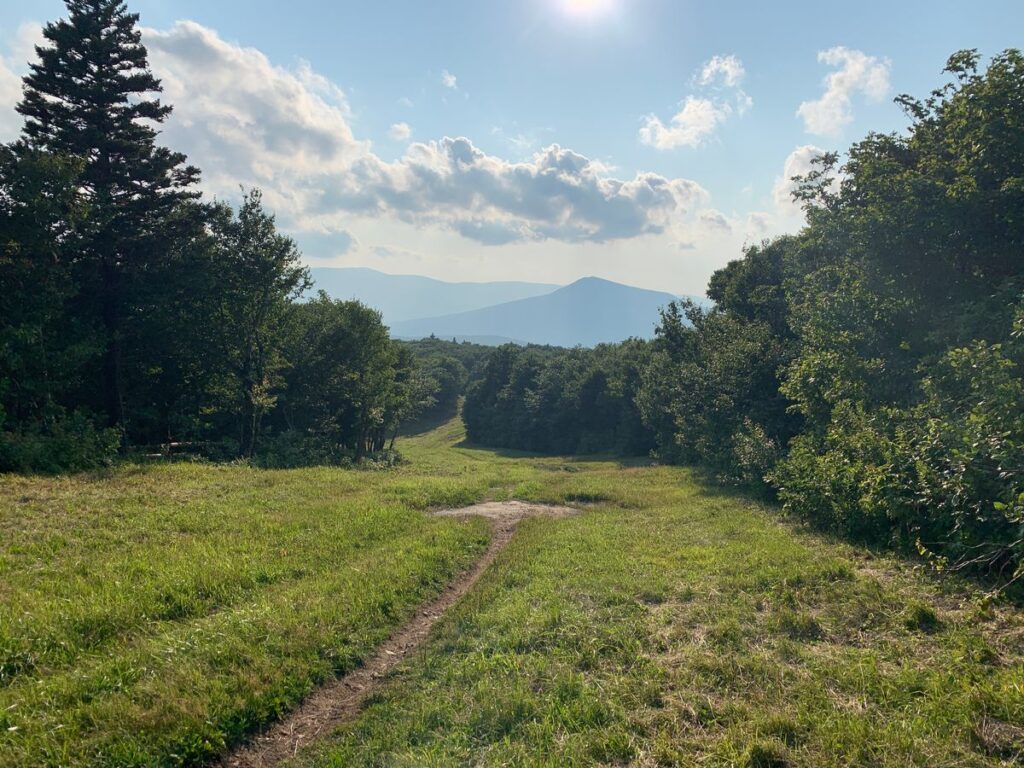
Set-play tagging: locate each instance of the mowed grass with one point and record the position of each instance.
(672, 625)
(155, 615)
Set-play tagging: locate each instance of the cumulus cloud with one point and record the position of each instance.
(728, 70)
(245, 120)
(400, 131)
(557, 194)
(21, 50)
(689, 127)
(856, 72)
(719, 82)
(10, 93)
(758, 223)
(715, 220)
(448, 80)
(799, 162)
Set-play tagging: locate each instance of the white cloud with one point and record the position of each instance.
(400, 132)
(448, 80)
(856, 72)
(21, 49)
(728, 70)
(715, 220)
(719, 82)
(558, 194)
(244, 120)
(758, 224)
(10, 94)
(799, 162)
(689, 127)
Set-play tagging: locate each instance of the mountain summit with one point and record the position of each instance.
(587, 312)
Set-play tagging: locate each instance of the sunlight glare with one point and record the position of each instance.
(587, 8)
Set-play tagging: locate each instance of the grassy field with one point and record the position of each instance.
(149, 617)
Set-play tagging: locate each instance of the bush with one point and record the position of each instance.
(386, 459)
(293, 448)
(755, 454)
(64, 443)
(965, 458)
(838, 481)
(946, 475)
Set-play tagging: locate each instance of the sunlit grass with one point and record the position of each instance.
(154, 615)
(673, 625)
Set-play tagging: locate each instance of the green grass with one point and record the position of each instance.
(153, 615)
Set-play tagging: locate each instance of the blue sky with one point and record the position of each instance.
(340, 112)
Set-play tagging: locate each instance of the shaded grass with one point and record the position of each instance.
(153, 616)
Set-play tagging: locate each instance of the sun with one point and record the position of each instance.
(587, 8)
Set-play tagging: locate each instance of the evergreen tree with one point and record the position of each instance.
(90, 97)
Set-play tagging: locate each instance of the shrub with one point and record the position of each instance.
(755, 454)
(293, 448)
(63, 443)
(837, 480)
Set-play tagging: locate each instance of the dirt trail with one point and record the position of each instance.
(341, 699)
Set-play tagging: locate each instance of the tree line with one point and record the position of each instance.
(868, 370)
(554, 400)
(135, 313)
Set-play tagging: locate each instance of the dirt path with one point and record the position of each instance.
(340, 700)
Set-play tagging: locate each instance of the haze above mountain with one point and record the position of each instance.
(587, 312)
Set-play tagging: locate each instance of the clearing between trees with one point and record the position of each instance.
(167, 614)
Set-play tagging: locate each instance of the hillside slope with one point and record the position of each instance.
(587, 312)
(404, 297)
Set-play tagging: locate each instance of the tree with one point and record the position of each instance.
(43, 347)
(260, 274)
(342, 364)
(89, 97)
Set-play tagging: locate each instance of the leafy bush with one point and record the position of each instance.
(64, 443)
(755, 454)
(386, 459)
(965, 457)
(946, 475)
(293, 448)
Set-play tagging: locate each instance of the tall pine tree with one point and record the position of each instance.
(91, 96)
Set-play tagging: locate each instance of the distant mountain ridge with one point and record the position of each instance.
(408, 297)
(587, 312)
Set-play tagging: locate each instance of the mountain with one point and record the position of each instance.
(585, 313)
(406, 297)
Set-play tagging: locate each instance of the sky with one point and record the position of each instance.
(643, 141)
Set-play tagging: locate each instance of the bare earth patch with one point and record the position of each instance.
(341, 700)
